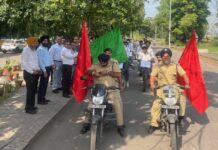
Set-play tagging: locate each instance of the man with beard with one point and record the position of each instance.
(46, 64)
(166, 73)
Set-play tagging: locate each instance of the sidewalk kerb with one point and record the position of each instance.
(47, 124)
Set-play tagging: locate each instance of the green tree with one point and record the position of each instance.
(186, 16)
(21, 18)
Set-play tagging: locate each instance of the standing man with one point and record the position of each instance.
(46, 64)
(76, 42)
(55, 52)
(68, 58)
(31, 72)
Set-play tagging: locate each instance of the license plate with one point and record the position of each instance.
(98, 106)
(170, 107)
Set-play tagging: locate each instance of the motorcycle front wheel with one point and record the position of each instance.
(96, 131)
(174, 137)
(93, 142)
(145, 80)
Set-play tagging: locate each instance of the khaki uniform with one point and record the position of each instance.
(113, 95)
(166, 74)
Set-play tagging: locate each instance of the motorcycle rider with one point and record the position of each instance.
(158, 57)
(108, 51)
(108, 73)
(166, 73)
(145, 59)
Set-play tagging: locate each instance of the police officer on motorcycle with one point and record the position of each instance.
(108, 73)
(166, 73)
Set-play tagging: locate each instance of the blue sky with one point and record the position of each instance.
(151, 9)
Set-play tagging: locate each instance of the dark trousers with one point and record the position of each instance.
(43, 84)
(31, 86)
(66, 78)
(125, 71)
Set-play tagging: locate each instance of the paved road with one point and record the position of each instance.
(200, 132)
(8, 54)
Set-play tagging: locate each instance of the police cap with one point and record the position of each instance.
(166, 50)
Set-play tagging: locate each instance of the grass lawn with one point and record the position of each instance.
(212, 46)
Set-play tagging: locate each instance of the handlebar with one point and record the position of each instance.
(178, 85)
(108, 88)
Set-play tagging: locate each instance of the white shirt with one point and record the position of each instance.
(131, 46)
(138, 49)
(145, 59)
(121, 65)
(150, 51)
(55, 52)
(145, 56)
(128, 50)
(68, 56)
(29, 60)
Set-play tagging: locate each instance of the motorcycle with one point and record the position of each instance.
(169, 118)
(145, 69)
(124, 67)
(145, 77)
(102, 112)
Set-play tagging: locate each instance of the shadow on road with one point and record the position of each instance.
(63, 132)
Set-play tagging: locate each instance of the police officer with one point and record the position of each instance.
(158, 57)
(108, 51)
(166, 73)
(107, 73)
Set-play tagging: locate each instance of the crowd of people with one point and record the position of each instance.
(39, 61)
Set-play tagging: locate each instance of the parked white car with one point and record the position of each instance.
(13, 45)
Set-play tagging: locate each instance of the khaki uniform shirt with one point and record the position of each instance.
(167, 74)
(114, 61)
(107, 79)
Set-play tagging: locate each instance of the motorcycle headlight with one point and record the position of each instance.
(170, 101)
(97, 100)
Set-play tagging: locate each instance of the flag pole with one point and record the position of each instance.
(169, 44)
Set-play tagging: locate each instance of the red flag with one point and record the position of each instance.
(83, 63)
(191, 64)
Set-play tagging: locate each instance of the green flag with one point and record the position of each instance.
(113, 40)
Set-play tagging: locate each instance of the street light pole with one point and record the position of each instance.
(170, 25)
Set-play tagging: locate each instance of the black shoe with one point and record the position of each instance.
(55, 91)
(60, 89)
(66, 95)
(181, 121)
(33, 111)
(42, 103)
(47, 100)
(35, 108)
(151, 129)
(86, 127)
(121, 131)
